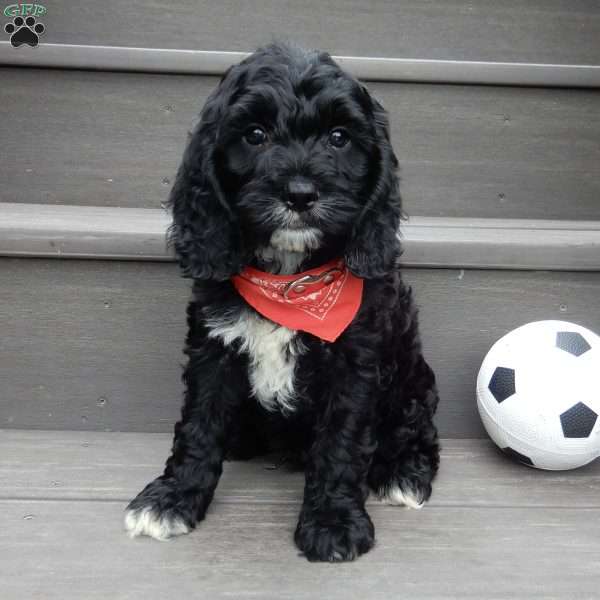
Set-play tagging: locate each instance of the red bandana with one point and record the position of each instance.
(321, 301)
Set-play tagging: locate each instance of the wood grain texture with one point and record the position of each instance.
(97, 345)
(555, 31)
(494, 530)
(92, 465)
(60, 550)
(115, 139)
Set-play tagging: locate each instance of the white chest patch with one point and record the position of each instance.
(272, 350)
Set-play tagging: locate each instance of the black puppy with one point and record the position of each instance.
(289, 169)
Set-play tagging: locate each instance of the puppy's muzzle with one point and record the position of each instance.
(300, 194)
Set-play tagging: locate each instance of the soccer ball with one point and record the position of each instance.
(538, 394)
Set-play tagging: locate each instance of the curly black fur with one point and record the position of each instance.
(364, 404)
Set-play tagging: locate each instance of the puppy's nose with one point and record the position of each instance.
(300, 194)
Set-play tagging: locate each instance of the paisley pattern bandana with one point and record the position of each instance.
(321, 301)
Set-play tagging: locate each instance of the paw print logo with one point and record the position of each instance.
(24, 31)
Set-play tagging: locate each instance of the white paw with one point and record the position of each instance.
(397, 497)
(146, 521)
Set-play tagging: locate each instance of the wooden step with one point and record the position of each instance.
(97, 344)
(63, 231)
(366, 68)
(537, 31)
(494, 529)
(465, 150)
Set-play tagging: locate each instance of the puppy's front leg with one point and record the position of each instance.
(173, 503)
(333, 524)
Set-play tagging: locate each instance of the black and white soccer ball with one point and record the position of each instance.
(538, 394)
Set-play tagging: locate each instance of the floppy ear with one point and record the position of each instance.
(204, 232)
(374, 245)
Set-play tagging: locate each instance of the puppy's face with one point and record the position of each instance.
(294, 148)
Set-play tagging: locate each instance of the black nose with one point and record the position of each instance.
(300, 194)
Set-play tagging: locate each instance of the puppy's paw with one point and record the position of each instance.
(148, 521)
(159, 512)
(402, 495)
(400, 487)
(334, 535)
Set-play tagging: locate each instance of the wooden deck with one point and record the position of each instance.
(494, 529)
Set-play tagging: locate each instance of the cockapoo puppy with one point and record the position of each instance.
(302, 339)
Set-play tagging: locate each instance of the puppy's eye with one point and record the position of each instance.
(338, 138)
(255, 136)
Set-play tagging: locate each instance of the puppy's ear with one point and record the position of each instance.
(204, 233)
(374, 245)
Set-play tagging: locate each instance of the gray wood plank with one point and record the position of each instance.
(555, 31)
(211, 62)
(71, 550)
(469, 151)
(66, 231)
(97, 345)
(73, 465)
